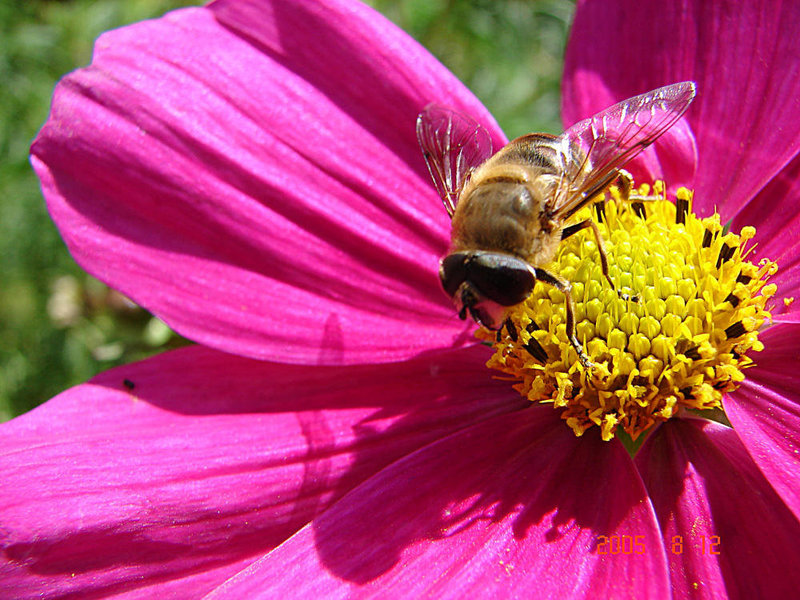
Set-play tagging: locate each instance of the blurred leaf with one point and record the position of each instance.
(41, 41)
(509, 53)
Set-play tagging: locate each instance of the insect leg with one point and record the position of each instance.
(625, 185)
(566, 288)
(601, 248)
(573, 229)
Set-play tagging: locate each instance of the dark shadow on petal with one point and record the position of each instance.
(408, 405)
(467, 456)
(526, 468)
(88, 551)
(332, 345)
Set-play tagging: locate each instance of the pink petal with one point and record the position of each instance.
(250, 173)
(672, 159)
(209, 461)
(765, 412)
(744, 59)
(775, 212)
(726, 531)
(513, 507)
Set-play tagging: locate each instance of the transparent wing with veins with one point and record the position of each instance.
(593, 150)
(453, 145)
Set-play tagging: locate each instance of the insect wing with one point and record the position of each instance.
(453, 145)
(594, 149)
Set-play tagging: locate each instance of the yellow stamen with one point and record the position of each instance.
(682, 345)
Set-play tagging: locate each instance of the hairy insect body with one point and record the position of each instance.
(506, 206)
(498, 217)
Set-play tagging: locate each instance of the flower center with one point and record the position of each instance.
(680, 344)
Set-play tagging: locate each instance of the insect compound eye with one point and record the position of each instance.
(453, 272)
(502, 278)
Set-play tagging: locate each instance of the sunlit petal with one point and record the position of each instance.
(725, 529)
(276, 205)
(179, 470)
(515, 506)
(744, 59)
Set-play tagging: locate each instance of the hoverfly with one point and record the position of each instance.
(511, 210)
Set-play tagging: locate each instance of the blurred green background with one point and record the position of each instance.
(59, 326)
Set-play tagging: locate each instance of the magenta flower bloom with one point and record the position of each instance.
(249, 172)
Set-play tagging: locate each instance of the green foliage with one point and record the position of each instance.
(58, 326)
(509, 53)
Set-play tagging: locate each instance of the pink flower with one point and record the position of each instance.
(249, 172)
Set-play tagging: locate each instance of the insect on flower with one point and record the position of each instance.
(511, 210)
